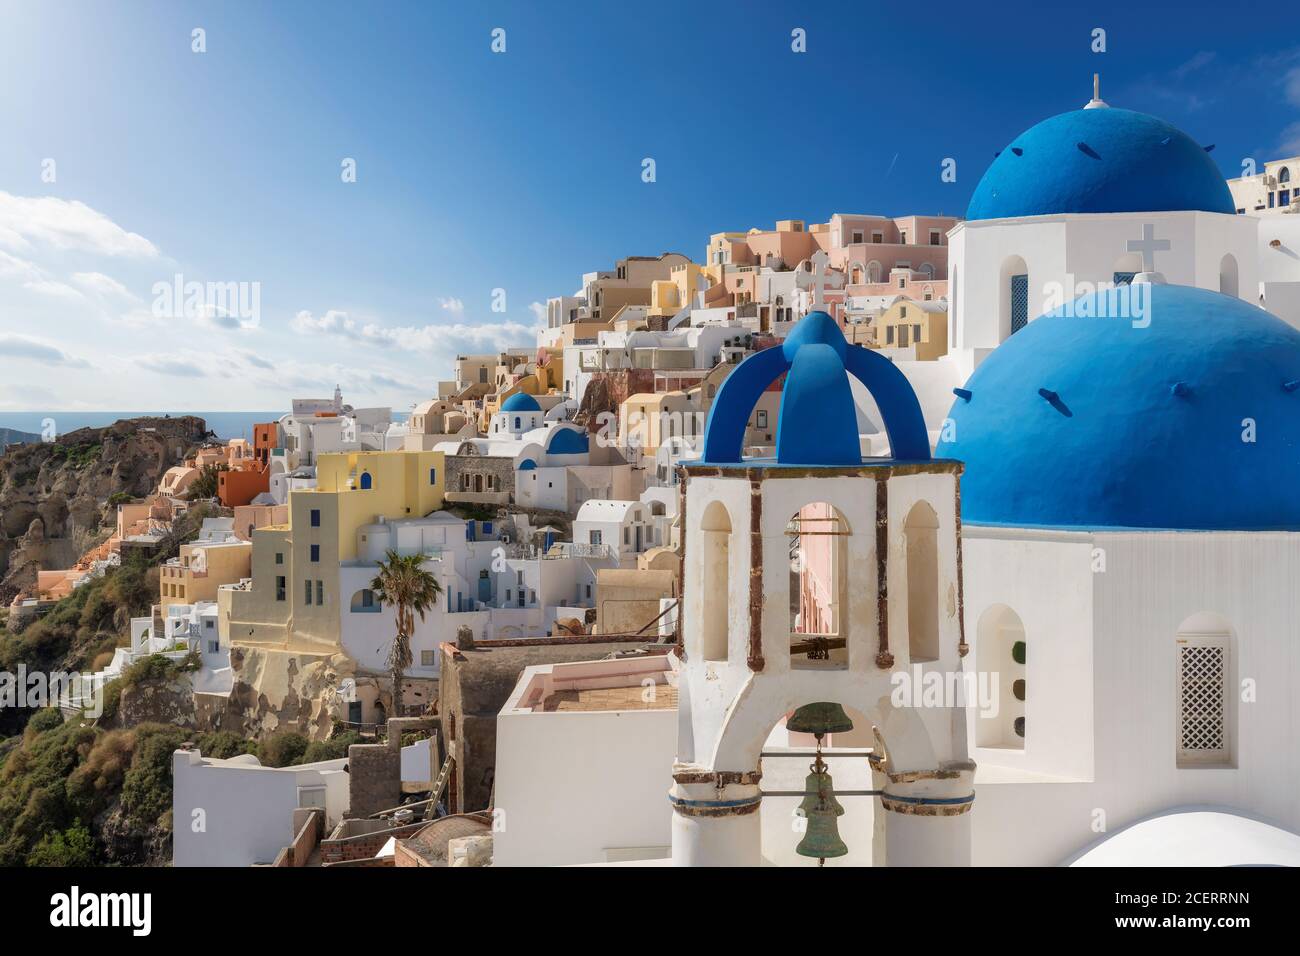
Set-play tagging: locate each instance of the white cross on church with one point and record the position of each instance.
(1148, 246)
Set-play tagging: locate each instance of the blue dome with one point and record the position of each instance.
(818, 420)
(1100, 160)
(520, 402)
(1080, 422)
(568, 441)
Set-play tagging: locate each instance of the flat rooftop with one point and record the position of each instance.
(612, 698)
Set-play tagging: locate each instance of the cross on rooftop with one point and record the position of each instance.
(821, 282)
(1148, 246)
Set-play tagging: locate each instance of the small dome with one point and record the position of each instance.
(1185, 417)
(1097, 161)
(818, 423)
(568, 441)
(520, 402)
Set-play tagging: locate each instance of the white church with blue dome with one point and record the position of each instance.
(1095, 195)
(1108, 524)
(1130, 503)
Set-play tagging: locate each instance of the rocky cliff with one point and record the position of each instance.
(54, 496)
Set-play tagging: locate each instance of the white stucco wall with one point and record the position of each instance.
(237, 813)
(574, 785)
(1152, 584)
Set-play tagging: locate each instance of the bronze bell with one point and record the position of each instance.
(819, 719)
(821, 839)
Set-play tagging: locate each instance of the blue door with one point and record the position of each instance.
(1019, 303)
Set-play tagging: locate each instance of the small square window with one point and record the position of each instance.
(315, 552)
(315, 517)
(279, 557)
(426, 659)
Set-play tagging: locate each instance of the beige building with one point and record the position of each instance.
(201, 569)
(1268, 193)
(920, 326)
(629, 599)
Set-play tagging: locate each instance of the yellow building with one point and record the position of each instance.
(670, 296)
(294, 600)
(922, 326)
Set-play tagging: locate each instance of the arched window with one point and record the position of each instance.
(1000, 651)
(921, 533)
(715, 595)
(363, 602)
(927, 269)
(366, 481)
(818, 547)
(1284, 175)
(1206, 674)
(518, 422)
(1228, 275)
(874, 271)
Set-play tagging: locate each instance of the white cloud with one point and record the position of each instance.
(1289, 140)
(34, 350)
(103, 285)
(1291, 85)
(539, 312)
(453, 305)
(65, 224)
(53, 287)
(446, 339)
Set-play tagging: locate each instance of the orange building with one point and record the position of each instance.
(248, 476)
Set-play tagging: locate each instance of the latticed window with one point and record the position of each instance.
(1203, 729)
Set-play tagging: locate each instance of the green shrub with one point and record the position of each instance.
(73, 847)
(283, 749)
(225, 744)
(147, 786)
(332, 749)
(47, 718)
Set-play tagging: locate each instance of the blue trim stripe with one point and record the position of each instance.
(681, 802)
(930, 801)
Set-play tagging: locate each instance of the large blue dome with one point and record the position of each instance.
(1114, 423)
(1100, 160)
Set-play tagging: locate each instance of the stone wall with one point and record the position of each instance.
(502, 469)
(374, 778)
(365, 845)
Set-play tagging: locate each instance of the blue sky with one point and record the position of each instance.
(522, 170)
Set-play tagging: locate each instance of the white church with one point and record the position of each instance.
(1087, 526)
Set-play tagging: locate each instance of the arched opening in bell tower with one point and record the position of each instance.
(818, 549)
(921, 533)
(716, 579)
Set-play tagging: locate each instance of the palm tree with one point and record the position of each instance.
(403, 583)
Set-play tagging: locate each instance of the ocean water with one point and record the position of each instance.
(225, 424)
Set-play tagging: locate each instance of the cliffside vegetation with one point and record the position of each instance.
(75, 795)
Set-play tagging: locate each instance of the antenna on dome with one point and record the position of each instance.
(1096, 102)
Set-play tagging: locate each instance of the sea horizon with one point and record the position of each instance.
(226, 425)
